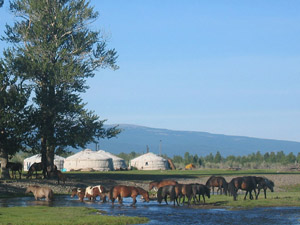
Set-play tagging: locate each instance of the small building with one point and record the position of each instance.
(149, 161)
(88, 160)
(58, 161)
(118, 163)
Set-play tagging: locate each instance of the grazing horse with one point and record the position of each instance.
(144, 194)
(200, 189)
(34, 168)
(163, 193)
(219, 182)
(80, 192)
(40, 192)
(121, 191)
(184, 190)
(15, 167)
(247, 184)
(264, 183)
(161, 183)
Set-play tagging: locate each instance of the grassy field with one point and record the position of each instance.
(37, 215)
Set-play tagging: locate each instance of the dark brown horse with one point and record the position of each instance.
(60, 176)
(36, 167)
(121, 191)
(200, 190)
(246, 183)
(184, 190)
(264, 183)
(161, 183)
(219, 182)
(15, 167)
(165, 191)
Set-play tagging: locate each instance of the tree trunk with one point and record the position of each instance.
(4, 160)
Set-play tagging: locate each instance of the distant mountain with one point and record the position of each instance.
(137, 138)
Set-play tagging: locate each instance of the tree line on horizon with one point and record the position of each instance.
(254, 160)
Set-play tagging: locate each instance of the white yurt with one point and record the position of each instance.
(118, 162)
(58, 161)
(149, 161)
(88, 160)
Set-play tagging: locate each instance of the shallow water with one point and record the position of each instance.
(167, 214)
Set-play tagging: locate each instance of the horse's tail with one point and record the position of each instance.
(159, 194)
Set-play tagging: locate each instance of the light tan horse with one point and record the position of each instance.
(40, 192)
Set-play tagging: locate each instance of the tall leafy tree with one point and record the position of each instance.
(55, 49)
(15, 123)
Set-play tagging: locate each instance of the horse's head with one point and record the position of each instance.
(74, 192)
(207, 191)
(152, 185)
(145, 196)
(28, 189)
(270, 184)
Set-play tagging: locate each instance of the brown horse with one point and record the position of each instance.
(184, 190)
(60, 176)
(219, 182)
(264, 183)
(144, 194)
(36, 167)
(40, 192)
(15, 167)
(165, 191)
(161, 183)
(201, 190)
(246, 183)
(121, 191)
(80, 192)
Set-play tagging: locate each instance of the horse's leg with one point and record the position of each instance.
(166, 199)
(265, 192)
(203, 198)
(134, 200)
(258, 191)
(246, 195)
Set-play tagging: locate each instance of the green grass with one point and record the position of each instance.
(273, 200)
(38, 215)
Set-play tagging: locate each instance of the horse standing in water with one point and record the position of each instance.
(80, 192)
(161, 183)
(163, 193)
(40, 192)
(219, 182)
(121, 191)
(264, 183)
(15, 167)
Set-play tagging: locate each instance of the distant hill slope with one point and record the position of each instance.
(136, 138)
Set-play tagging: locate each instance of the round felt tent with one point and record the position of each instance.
(149, 161)
(118, 163)
(88, 160)
(58, 161)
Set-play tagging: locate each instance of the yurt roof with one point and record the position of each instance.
(149, 156)
(110, 155)
(88, 154)
(38, 157)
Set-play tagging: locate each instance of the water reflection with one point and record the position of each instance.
(166, 214)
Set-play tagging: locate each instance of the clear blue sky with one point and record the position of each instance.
(227, 67)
